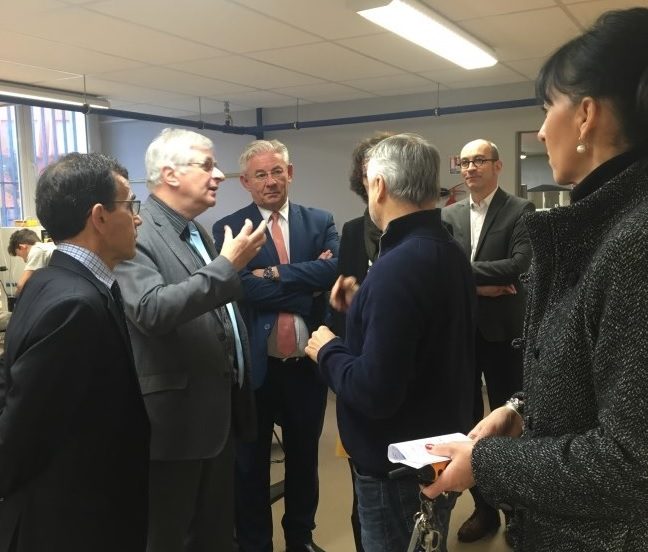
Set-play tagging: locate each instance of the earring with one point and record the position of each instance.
(581, 148)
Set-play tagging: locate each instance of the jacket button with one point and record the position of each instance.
(266, 327)
(572, 278)
(524, 277)
(518, 343)
(536, 352)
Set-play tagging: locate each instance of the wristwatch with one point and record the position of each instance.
(268, 273)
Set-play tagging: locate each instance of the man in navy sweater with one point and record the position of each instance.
(406, 368)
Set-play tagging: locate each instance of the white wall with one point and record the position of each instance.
(321, 156)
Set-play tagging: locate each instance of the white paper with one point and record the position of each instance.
(414, 453)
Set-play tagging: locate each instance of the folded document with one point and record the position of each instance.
(414, 453)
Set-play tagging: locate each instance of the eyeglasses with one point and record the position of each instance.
(477, 161)
(207, 165)
(133, 205)
(262, 176)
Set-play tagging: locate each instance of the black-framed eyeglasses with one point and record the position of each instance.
(477, 161)
(133, 205)
(275, 173)
(207, 165)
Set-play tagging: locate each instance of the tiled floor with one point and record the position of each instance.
(333, 532)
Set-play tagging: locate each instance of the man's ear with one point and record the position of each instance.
(244, 182)
(381, 188)
(98, 217)
(290, 172)
(168, 175)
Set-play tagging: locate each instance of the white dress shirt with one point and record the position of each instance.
(477, 216)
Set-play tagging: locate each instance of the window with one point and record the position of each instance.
(10, 198)
(56, 132)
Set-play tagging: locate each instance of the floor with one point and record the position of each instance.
(333, 532)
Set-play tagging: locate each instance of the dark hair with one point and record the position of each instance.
(609, 61)
(24, 236)
(68, 189)
(358, 161)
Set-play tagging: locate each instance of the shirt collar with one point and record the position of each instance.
(484, 203)
(90, 260)
(266, 213)
(177, 221)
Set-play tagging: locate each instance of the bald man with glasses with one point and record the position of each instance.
(489, 227)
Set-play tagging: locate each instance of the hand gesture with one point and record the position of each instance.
(342, 293)
(501, 422)
(240, 250)
(321, 336)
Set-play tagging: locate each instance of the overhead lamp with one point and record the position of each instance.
(417, 23)
(25, 91)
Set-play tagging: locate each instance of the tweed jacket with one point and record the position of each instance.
(578, 477)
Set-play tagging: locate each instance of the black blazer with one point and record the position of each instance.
(74, 435)
(503, 253)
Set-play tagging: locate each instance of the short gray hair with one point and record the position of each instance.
(172, 147)
(263, 146)
(409, 165)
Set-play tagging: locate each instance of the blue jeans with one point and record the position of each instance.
(386, 508)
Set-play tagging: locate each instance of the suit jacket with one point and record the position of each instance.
(503, 253)
(74, 436)
(312, 231)
(178, 342)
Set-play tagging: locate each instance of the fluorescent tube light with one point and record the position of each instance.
(24, 91)
(419, 24)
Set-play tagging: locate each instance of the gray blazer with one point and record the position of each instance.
(503, 253)
(181, 361)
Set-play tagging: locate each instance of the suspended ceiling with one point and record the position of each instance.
(179, 58)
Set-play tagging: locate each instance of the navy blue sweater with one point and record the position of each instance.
(406, 368)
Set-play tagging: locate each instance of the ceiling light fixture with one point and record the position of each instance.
(523, 155)
(28, 92)
(417, 23)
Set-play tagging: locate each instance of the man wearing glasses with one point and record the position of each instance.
(284, 302)
(74, 435)
(190, 346)
(489, 227)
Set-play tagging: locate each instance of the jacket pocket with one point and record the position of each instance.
(162, 382)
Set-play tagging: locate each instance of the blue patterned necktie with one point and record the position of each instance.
(199, 246)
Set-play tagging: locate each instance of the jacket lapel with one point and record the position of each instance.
(298, 243)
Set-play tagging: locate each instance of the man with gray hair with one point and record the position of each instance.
(190, 345)
(283, 303)
(405, 369)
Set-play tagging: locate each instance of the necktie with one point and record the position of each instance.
(119, 301)
(228, 317)
(286, 338)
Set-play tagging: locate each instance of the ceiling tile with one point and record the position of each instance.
(217, 23)
(528, 67)
(588, 12)
(458, 78)
(56, 56)
(392, 84)
(86, 29)
(175, 81)
(245, 71)
(458, 10)
(29, 74)
(341, 64)
(524, 35)
(325, 92)
(393, 49)
(330, 19)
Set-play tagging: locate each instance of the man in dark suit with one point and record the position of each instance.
(190, 346)
(283, 303)
(488, 225)
(74, 435)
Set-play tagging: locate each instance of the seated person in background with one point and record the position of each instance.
(26, 244)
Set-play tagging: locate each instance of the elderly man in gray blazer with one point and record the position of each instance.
(190, 346)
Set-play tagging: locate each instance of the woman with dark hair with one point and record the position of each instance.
(569, 454)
